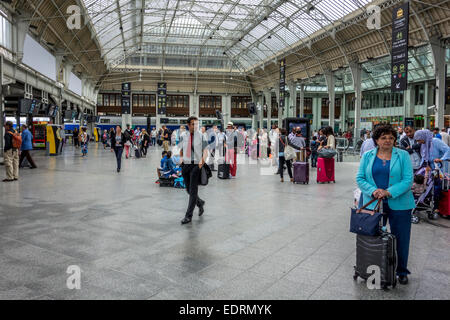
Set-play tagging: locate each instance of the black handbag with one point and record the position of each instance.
(205, 174)
(367, 222)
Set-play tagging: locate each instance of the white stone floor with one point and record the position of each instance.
(258, 239)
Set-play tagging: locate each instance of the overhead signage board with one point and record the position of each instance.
(162, 97)
(400, 40)
(126, 98)
(282, 83)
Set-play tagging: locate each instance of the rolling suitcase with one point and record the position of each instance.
(223, 171)
(301, 172)
(137, 153)
(378, 251)
(444, 204)
(325, 170)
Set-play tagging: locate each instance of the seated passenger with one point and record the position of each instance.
(169, 167)
(162, 165)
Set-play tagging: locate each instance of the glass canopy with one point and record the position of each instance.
(376, 73)
(228, 35)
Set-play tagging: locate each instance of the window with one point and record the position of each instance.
(419, 93)
(240, 102)
(325, 108)
(100, 99)
(5, 33)
(177, 101)
(307, 105)
(213, 102)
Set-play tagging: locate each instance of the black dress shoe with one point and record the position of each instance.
(403, 279)
(201, 209)
(186, 220)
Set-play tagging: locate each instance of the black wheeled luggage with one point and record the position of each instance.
(223, 171)
(166, 182)
(378, 251)
(137, 153)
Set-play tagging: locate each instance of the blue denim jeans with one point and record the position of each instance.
(118, 151)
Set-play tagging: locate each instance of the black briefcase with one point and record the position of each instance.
(378, 251)
(205, 174)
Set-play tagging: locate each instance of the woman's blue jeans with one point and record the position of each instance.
(400, 223)
(118, 151)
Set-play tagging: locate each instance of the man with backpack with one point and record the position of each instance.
(13, 141)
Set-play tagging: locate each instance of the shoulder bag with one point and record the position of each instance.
(366, 222)
(289, 152)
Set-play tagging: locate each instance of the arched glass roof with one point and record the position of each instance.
(232, 35)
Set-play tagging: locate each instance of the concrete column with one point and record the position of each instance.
(128, 118)
(196, 105)
(438, 50)
(191, 104)
(343, 125)
(260, 108)
(68, 67)
(292, 109)
(2, 108)
(329, 77)
(280, 111)
(302, 101)
(18, 37)
(428, 101)
(408, 103)
(58, 65)
(317, 113)
(356, 75)
(228, 99)
(268, 96)
(224, 110)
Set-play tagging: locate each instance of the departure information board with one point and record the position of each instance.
(400, 37)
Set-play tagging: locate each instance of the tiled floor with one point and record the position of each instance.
(258, 239)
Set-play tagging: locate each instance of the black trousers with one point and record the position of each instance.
(26, 153)
(191, 175)
(281, 163)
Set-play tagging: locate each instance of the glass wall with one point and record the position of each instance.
(5, 33)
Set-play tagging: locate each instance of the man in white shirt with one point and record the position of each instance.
(193, 155)
(445, 137)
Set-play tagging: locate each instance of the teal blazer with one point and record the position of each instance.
(400, 179)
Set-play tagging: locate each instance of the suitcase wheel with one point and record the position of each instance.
(415, 219)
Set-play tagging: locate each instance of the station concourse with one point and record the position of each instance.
(100, 90)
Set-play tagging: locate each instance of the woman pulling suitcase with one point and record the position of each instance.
(386, 173)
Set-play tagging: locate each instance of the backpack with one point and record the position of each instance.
(16, 140)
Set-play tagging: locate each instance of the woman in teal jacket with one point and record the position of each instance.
(386, 173)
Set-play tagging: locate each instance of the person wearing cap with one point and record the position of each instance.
(231, 143)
